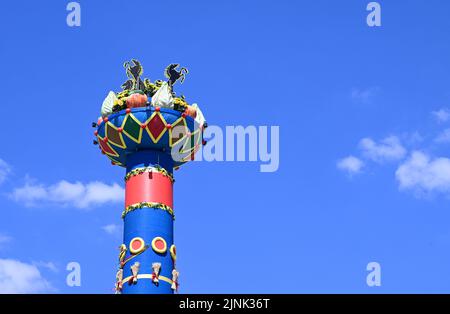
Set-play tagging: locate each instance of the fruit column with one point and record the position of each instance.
(148, 224)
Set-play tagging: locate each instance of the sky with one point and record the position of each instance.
(364, 142)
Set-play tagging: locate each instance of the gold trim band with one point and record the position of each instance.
(161, 206)
(138, 171)
(146, 276)
(129, 258)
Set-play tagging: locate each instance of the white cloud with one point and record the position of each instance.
(18, 277)
(4, 239)
(65, 194)
(412, 138)
(443, 137)
(442, 115)
(5, 170)
(422, 174)
(364, 95)
(388, 149)
(350, 164)
(48, 265)
(112, 229)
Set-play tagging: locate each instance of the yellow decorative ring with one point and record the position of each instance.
(139, 249)
(157, 249)
(147, 276)
(173, 252)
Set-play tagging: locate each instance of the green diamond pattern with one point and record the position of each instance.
(132, 128)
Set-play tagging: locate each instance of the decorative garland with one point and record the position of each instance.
(150, 205)
(157, 168)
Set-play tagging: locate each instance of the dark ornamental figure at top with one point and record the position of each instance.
(137, 92)
(173, 75)
(134, 71)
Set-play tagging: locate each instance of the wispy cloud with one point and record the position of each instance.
(351, 165)
(67, 194)
(441, 115)
(388, 149)
(364, 95)
(4, 239)
(412, 138)
(47, 265)
(443, 137)
(5, 170)
(19, 277)
(423, 174)
(112, 229)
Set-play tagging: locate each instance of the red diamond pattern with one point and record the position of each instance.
(156, 126)
(106, 148)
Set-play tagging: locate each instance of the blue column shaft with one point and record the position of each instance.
(149, 223)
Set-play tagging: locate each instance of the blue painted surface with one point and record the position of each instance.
(149, 223)
(148, 158)
(142, 115)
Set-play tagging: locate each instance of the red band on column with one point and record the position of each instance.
(149, 187)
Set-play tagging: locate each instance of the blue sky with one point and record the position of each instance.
(363, 112)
